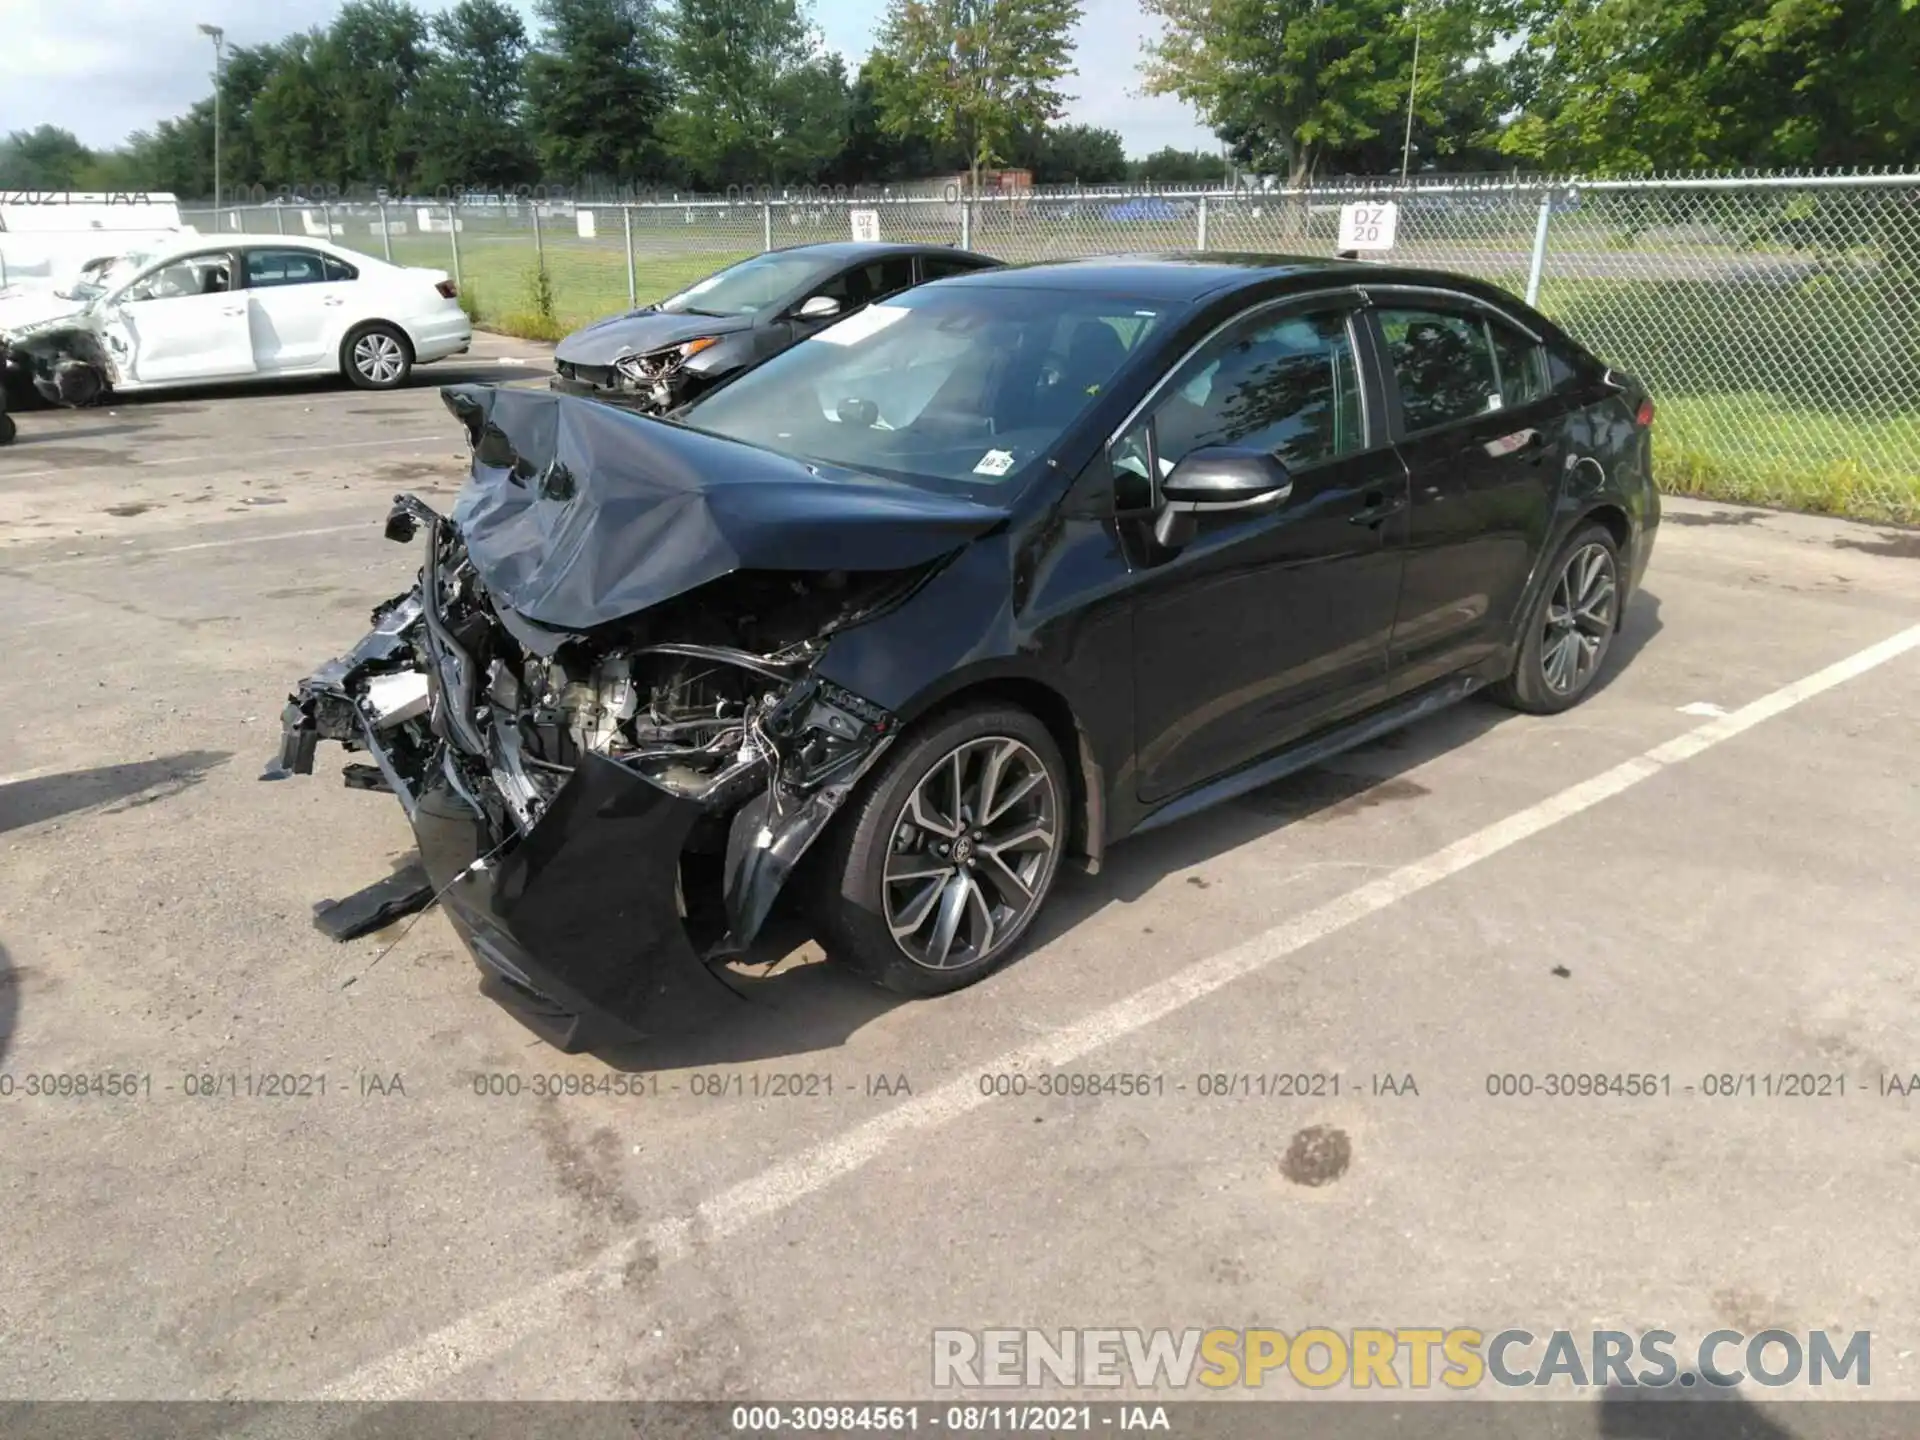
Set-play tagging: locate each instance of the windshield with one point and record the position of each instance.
(103, 275)
(964, 386)
(746, 288)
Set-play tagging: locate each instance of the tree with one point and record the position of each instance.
(1168, 166)
(758, 97)
(1287, 81)
(974, 71)
(297, 124)
(1073, 155)
(596, 88)
(44, 158)
(1626, 85)
(871, 154)
(373, 60)
(473, 95)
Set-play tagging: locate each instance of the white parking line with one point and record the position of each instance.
(484, 1334)
(204, 459)
(125, 555)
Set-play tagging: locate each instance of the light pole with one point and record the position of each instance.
(219, 38)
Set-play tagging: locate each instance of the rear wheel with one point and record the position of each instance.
(929, 882)
(376, 356)
(1570, 628)
(7, 428)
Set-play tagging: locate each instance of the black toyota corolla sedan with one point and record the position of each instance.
(963, 589)
(665, 354)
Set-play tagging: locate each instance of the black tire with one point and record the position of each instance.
(7, 428)
(851, 892)
(1550, 676)
(376, 356)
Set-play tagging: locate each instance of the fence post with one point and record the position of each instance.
(280, 218)
(766, 224)
(1539, 247)
(326, 217)
(1200, 242)
(539, 244)
(386, 235)
(966, 219)
(633, 282)
(453, 238)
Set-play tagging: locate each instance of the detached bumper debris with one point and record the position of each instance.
(600, 714)
(405, 892)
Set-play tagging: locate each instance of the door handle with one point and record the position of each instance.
(1376, 506)
(233, 309)
(331, 300)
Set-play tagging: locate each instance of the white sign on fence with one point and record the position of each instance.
(866, 226)
(583, 222)
(1368, 226)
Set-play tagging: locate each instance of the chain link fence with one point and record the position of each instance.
(1776, 319)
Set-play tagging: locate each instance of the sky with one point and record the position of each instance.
(108, 67)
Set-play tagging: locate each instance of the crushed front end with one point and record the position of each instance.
(606, 816)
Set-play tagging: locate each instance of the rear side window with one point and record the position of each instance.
(1443, 364)
(938, 267)
(338, 269)
(864, 284)
(1522, 365)
(284, 267)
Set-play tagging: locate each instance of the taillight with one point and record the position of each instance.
(1643, 417)
(448, 290)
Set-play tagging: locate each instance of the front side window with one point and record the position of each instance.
(284, 267)
(1443, 364)
(1288, 385)
(864, 284)
(963, 388)
(191, 275)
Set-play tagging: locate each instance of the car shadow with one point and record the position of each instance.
(461, 371)
(1637, 629)
(805, 1005)
(9, 1002)
(142, 782)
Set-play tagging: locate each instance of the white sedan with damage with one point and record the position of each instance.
(209, 309)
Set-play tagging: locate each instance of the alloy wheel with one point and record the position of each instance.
(379, 358)
(971, 853)
(1580, 619)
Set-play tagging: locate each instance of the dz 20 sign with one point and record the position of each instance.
(1368, 227)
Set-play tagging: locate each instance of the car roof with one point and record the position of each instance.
(195, 243)
(1192, 276)
(836, 250)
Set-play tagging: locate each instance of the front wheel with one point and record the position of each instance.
(1570, 628)
(376, 356)
(930, 880)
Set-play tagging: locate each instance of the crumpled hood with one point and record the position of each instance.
(23, 306)
(578, 513)
(641, 333)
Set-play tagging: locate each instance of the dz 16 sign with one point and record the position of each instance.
(866, 226)
(1368, 227)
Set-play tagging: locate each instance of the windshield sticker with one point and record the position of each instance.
(862, 324)
(994, 462)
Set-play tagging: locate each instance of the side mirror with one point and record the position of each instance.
(1217, 478)
(820, 307)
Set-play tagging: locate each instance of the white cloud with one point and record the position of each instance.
(109, 67)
